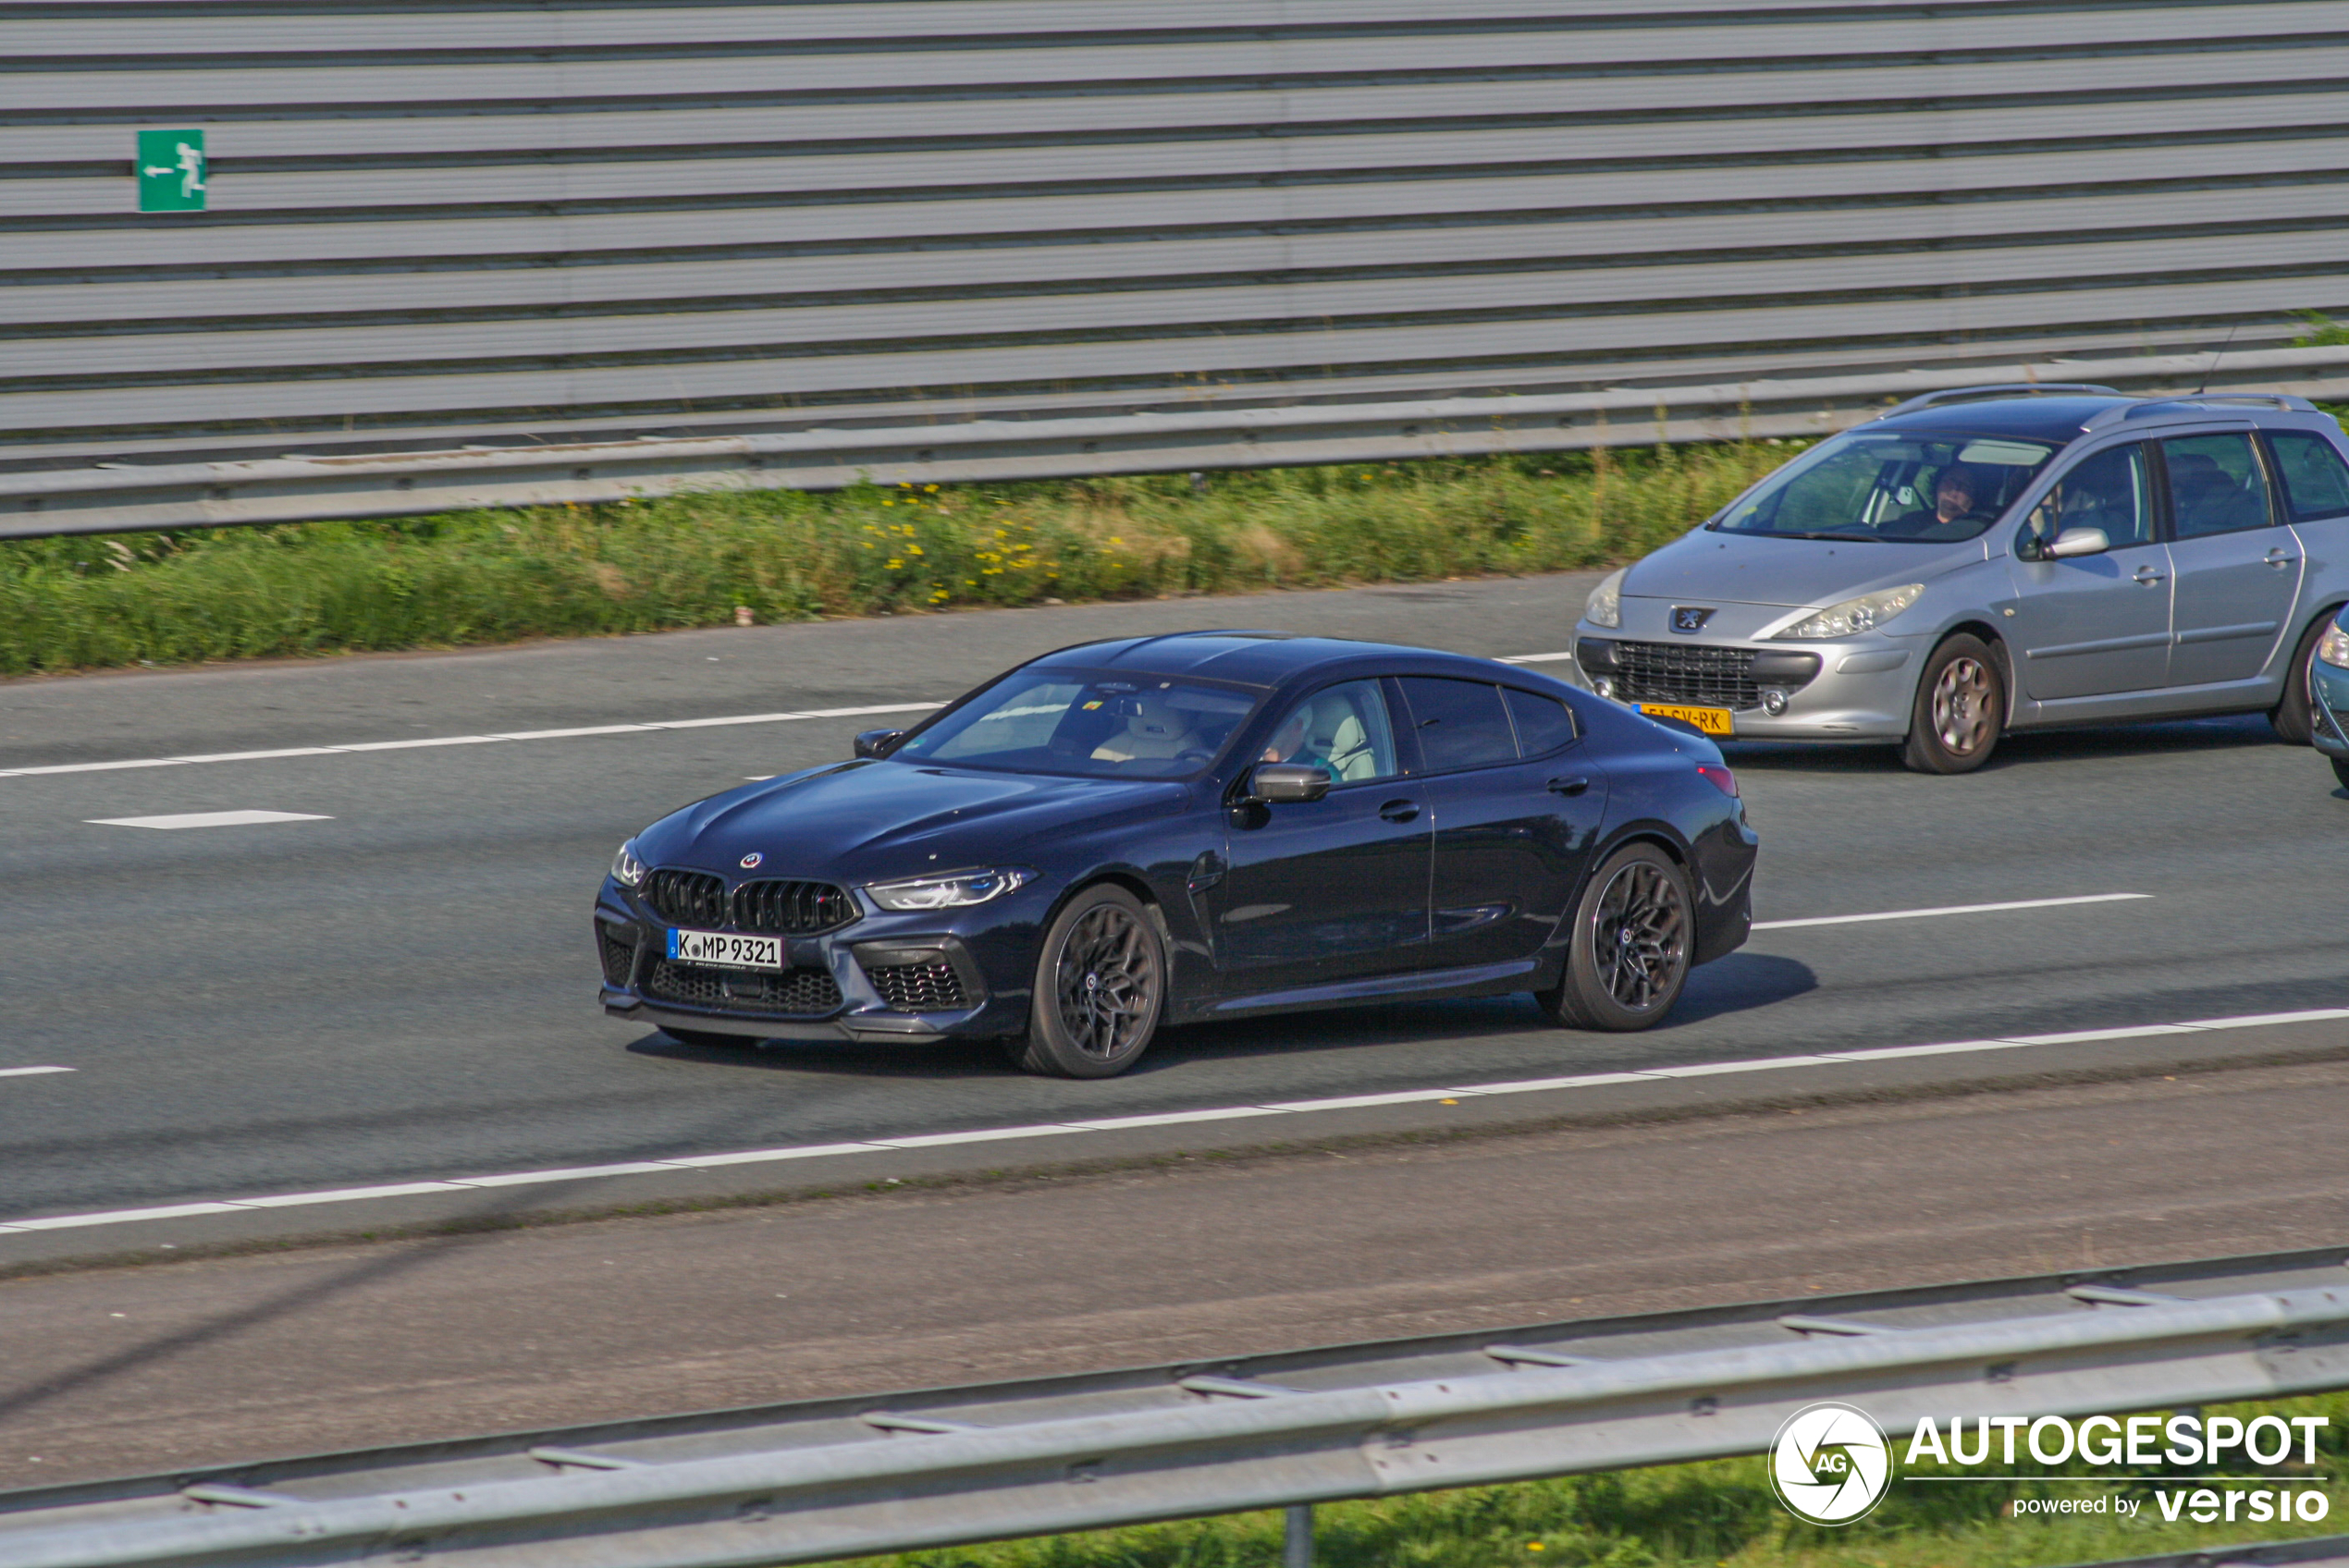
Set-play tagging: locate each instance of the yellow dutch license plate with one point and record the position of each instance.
(1712, 721)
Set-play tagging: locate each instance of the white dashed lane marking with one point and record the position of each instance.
(463, 739)
(1946, 909)
(206, 819)
(29, 1071)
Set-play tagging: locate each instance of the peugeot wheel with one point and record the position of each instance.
(1627, 956)
(2340, 772)
(1960, 708)
(1100, 984)
(2293, 718)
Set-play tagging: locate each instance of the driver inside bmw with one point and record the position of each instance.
(1327, 733)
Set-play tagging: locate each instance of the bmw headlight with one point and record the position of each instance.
(626, 869)
(954, 890)
(1854, 616)
(1606, 607)
(2333, 647)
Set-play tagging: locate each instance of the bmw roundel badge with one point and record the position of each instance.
(750, 860)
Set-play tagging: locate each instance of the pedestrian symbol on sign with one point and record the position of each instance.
(171, 171)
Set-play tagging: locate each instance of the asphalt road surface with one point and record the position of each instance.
(150, 1369)
(394, 980)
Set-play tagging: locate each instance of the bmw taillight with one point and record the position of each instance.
(1721, 777)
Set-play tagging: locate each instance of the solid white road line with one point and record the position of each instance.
(1946, 909)
(29, 1072)
(205, 819)
(466, 740)
(1162, 1118)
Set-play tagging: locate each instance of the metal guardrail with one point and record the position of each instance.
(296, 488)
(847, 1477)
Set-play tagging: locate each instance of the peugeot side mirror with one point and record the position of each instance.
(879, 742)
(2078, 542)
(1280, 783)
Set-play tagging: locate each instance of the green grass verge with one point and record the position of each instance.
(504, 575)
(508, 574)
(1713, 1514)
(1718, 1514)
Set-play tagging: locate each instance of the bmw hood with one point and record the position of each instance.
(1747, 570)
(862, 820)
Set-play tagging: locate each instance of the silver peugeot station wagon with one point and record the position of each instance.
(1996, 558)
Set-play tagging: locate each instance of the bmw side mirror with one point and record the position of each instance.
(879, 742)
(2078, 542)
(1279, 783)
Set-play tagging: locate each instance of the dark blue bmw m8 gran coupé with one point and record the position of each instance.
(1167, 829)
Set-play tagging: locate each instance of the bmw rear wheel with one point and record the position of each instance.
(1100, 985)
(1961, 708)
(1626, 957)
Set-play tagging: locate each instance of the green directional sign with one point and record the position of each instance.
(171, 171)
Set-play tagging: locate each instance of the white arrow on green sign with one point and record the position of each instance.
(171, 171)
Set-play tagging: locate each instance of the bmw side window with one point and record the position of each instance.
(1544, 724)
(2216, 484)
(2316, 482)
(2107, 491)
(1459, 723)
(1343, 729)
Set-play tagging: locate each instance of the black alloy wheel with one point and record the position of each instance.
(1100, 985)
(1961, 708)
(1627, 956)
(2293, 717)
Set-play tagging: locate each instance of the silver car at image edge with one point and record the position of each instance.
(1997, 559)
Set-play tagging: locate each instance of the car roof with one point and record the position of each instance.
(2063, 416)
(1254, 658)
(2054, 420)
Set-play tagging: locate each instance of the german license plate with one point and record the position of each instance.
(1712, 721)
(726, 950)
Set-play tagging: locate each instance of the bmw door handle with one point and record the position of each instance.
(1573, 786)
(1399, 811)
(2148, 577)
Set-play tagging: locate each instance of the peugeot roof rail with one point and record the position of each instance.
(2003, 390)
(2150, 407)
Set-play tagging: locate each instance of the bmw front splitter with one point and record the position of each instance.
(862, 1028)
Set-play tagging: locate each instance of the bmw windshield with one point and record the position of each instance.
(1918, 489)
(1074, 722)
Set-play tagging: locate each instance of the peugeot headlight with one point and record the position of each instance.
(1606, 607)
(626, 869)
(955, 889)
(2333, 647)
(1854, 616)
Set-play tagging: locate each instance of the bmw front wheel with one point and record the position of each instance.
(1100, 984)
(1626, 957)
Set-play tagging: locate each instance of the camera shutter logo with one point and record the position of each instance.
(1830, 1463)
